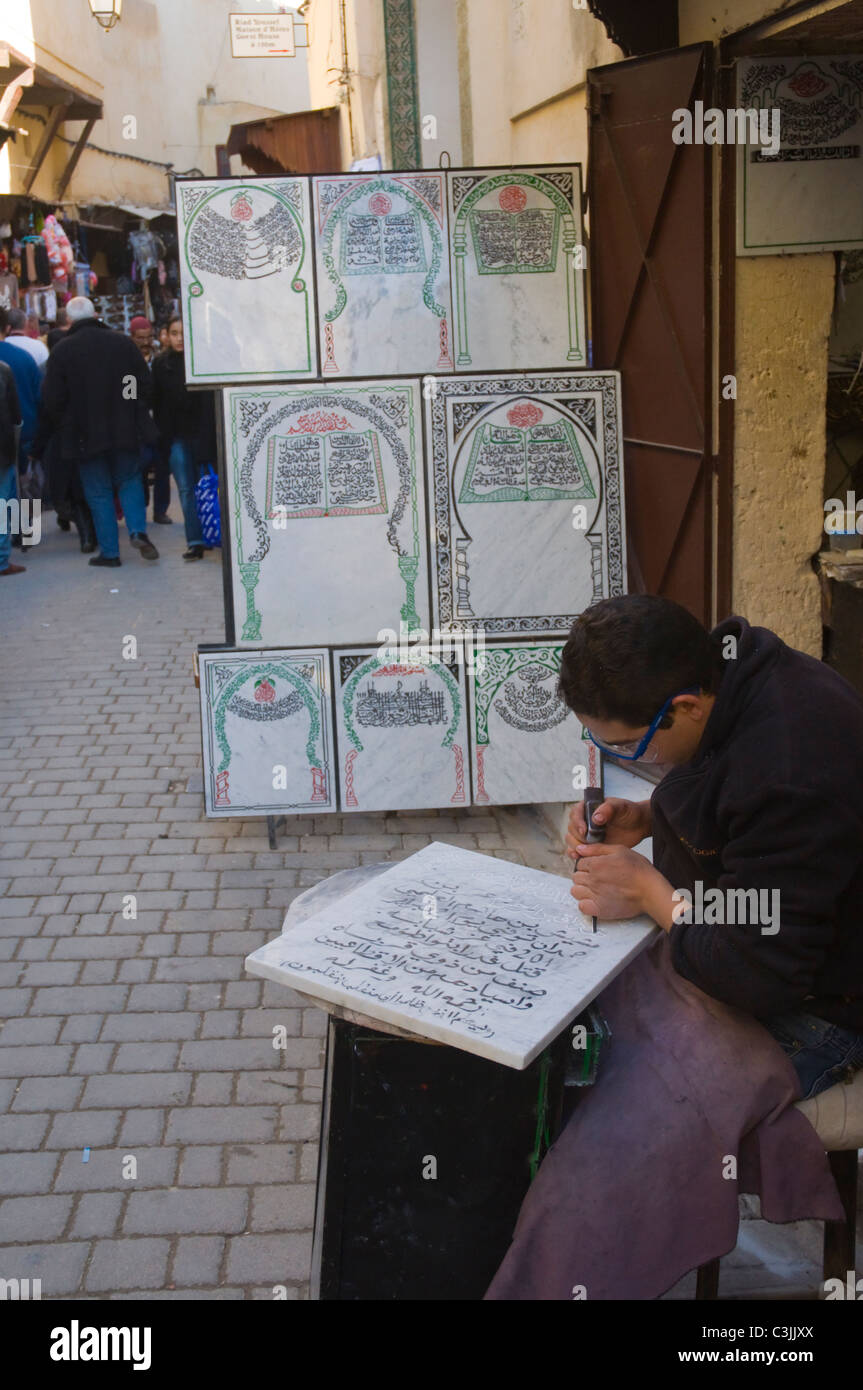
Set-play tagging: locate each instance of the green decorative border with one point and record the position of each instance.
(298, 286)
(350, 690)
(219, 707)
(402, 88)
(570, 217)
(408, 563)
(500, 663)
(337, 216)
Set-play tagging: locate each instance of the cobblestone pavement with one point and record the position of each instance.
(141, 1038)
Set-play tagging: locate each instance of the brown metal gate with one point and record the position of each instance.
(651, 282)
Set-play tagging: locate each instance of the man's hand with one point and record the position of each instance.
(612, 882)
(626, 823)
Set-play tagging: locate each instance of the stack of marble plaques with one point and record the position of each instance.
(364, 274)
(428, 556)
(423, 484)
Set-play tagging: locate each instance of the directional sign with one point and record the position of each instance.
(262, 36)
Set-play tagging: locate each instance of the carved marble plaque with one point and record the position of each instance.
(526, 745)
(807, 194)
(382, 252)
(402, 729)
(472, 951)
(266, 720)
(327, 512)
(518, 268)
(527, 523)
(246, 279)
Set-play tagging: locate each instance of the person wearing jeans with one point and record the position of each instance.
(117, 469)
(185, 471)
(758, 816)
(821, 1053)
(186, 424)
(10, 426)
(96, 397)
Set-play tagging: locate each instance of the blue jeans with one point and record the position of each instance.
(120, 469)
(185, 471)
(821, 1053)
(8, 491)
(154, 459)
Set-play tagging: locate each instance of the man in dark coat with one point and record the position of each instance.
(757, 824)
(95, 393)
(10, 426)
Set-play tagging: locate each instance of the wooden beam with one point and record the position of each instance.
(13, 93)
(55, 120)
(74, 157)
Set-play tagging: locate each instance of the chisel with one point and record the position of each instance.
(593, 797)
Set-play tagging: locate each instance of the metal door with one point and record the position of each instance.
(651, 279)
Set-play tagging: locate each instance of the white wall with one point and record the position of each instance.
(438, 80)
(155, 66)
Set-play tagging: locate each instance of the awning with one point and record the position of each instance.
(638, 26)
(306, 142)
(109, 217)
(30, 86)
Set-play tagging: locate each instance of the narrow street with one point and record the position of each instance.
(140, 1036)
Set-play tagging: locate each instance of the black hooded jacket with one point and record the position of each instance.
(773, 799)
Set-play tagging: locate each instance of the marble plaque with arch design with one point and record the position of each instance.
(247, 278)
(327, 511)
(382, 251)
(526, 745)
(518, 265)
(402, 729)
(527, 519)
(266, 723)
(799, 153)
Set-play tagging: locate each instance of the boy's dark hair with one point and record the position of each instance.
(4, 320)
(625, 656)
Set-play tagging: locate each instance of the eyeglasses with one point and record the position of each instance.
(618, 750)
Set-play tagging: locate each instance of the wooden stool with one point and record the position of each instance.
(836, 1115)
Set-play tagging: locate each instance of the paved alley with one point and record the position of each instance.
(139, 1036)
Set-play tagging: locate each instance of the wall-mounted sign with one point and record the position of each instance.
(808, 194)
(262, 36)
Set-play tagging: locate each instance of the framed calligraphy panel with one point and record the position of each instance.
(326, 499)
(527, 499)
(526, 745)
(382, 250)
(518, 267)
(246, 276)
(402, 728)
(266, 720)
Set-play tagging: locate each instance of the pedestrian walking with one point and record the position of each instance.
(18, 321)
(10, 426)
(156, 464)
(186, 423)
(96, 394)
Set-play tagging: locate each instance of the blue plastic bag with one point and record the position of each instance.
(207, 503)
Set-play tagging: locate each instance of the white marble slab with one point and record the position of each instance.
(328, 539)
(526, 481)
(402, 729)
(518, 267)
(266, 721)
(472, 951)
(382, 252)
(246, 279)
(526, 746)
(808, 196)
